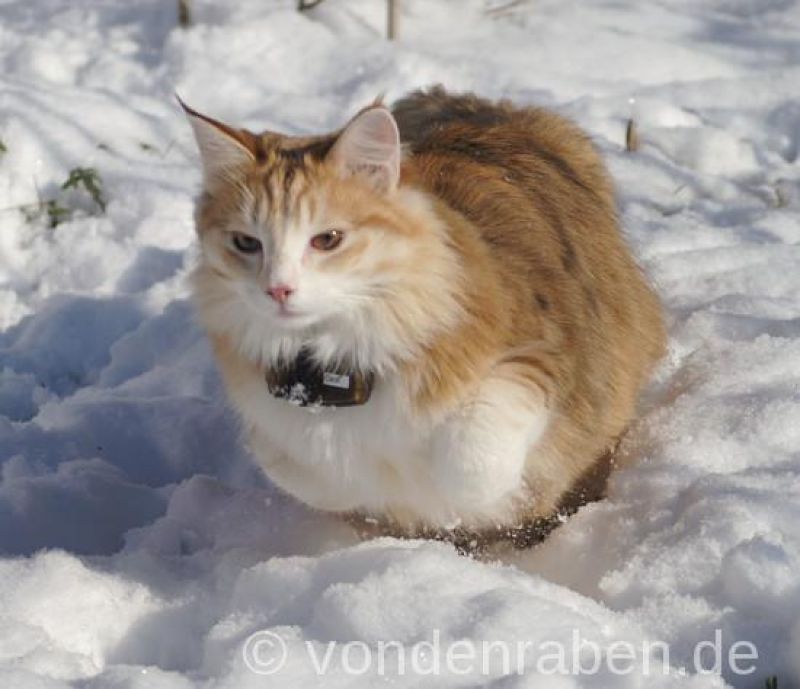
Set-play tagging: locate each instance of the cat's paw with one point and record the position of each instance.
(473, 466)
(479, 453)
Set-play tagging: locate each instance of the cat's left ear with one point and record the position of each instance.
(369, 147)
(222, 148)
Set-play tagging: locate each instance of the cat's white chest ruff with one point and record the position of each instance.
(377, 458)
(339, 458)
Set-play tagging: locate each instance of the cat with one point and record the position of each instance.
(463, 260)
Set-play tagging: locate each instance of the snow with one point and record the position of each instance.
(141, 547)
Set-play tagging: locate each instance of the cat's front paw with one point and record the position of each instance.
(474, 467)
(479, 453)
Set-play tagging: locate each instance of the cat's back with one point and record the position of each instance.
(484, 157)
(535, 189)
(532, 184)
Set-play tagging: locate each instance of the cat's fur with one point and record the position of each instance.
(483, 279)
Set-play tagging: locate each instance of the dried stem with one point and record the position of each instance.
(392, 17)
(303, 5)
(631, 136)
(184, 14)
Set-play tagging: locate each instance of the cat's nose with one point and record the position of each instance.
(280, 293)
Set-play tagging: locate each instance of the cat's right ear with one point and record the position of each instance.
(222, 148)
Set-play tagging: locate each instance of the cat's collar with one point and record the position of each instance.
(304, 383)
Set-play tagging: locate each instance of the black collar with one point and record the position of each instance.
(304, 383)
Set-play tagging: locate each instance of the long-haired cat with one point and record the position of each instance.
(458, 259)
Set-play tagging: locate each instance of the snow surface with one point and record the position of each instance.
(142, 548)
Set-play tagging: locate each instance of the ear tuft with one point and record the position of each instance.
(369, 147)
(222, 148)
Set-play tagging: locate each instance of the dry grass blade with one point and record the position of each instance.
(184, 14)
(632, 141)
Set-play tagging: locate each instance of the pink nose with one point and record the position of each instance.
(280, 293)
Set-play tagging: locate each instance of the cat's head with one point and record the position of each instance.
(314, 242)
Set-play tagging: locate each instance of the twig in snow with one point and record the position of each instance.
(507, 7)
(631, 136)
(184, 14)
(392, 17)
(303, 5)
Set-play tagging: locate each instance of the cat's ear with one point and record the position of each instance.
(369, 147)
(222, 148)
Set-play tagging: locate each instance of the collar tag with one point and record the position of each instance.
(304, 383)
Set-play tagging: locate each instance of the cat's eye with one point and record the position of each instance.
(326, 241)
(245, 243)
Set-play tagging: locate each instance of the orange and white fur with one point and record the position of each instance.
(464, 252)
